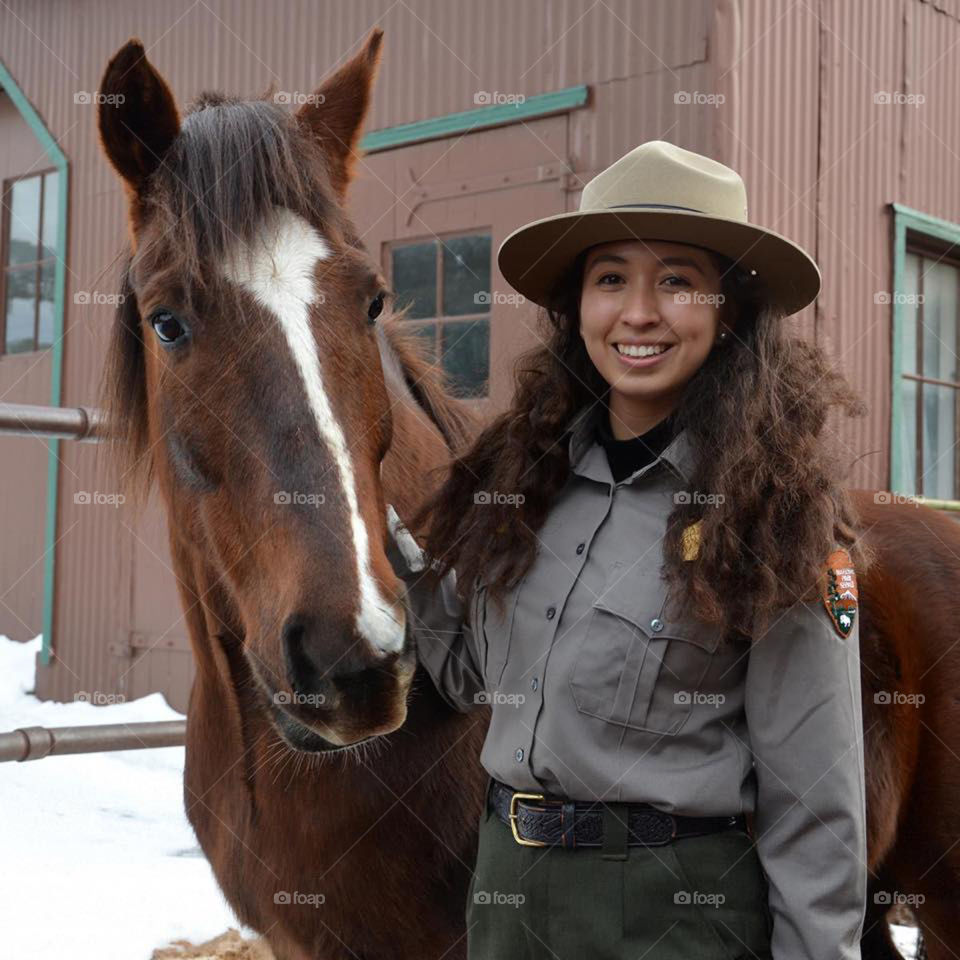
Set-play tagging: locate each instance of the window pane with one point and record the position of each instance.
(466, 356)
(20, 307)
(45, 321)
(24, 221)
(415, 278)
(466, 275)
(907, 441)
(910, 314)
(939, 320)
(939, 441)
(50, 212)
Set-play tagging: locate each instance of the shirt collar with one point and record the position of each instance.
(588, 458)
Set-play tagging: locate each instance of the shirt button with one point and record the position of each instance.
(656, 624)
(551, 612)
(580, 547)
(534, 683)
(519, 754)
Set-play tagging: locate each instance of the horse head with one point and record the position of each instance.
(246, 379)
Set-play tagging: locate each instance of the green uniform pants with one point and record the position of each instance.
(698, 898)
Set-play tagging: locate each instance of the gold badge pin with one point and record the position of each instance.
(690, 540)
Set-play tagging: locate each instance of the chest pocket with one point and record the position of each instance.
(635, 668)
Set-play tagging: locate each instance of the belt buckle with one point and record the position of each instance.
(513, 818)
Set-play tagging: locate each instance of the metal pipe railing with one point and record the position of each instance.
(85, 424)
(35, 743)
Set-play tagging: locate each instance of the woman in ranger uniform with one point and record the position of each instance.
(646, 567)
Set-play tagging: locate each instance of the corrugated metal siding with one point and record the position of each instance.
(820, 160)
(859, 174)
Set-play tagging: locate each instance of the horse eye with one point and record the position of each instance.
(167, 327)
(376, 306)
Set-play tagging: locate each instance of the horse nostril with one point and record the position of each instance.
(302, 672)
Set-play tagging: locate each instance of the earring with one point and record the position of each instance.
(723, 336)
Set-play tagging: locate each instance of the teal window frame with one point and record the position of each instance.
(58, 159)
(907, 222)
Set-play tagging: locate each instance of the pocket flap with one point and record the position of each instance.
(640, 596)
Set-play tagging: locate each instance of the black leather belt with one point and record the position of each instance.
(538, 821)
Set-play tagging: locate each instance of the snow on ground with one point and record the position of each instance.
(99, 861)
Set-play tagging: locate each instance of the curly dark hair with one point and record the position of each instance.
(755, 414)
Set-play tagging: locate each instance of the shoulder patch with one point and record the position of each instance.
(840, 595)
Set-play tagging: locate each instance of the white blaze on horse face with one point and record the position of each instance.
(278, 269)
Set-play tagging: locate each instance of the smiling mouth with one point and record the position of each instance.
(638, 352)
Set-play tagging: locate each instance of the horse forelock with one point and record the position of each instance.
(233, 162)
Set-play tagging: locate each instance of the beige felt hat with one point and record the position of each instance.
(659, 191)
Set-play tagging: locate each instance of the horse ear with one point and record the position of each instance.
(136, 115)
(335, 113)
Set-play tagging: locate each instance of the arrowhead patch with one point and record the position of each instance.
(840, 595)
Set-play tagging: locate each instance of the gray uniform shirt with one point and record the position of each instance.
(596, 694)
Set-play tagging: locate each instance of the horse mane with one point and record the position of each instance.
(428, 385)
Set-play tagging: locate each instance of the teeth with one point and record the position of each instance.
(635, 351)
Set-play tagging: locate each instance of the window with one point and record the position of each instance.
(446, 283)
(28, 248)
(930, 378)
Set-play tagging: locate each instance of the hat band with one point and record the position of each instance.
(658, 206)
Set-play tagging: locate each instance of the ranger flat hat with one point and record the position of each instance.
(659, 191)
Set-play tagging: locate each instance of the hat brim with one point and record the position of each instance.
(532, 259)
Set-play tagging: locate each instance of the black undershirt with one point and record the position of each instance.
(627, 456)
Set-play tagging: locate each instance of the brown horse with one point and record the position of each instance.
(275, 469)
(245, 271)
